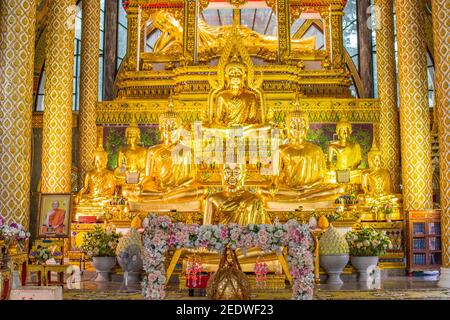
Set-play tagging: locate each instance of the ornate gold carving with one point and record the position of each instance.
(441, 28)
(88, 85)
(387, 91)
(57, 129)
(17, 25)
(414, 117)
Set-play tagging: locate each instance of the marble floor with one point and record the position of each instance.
(418, 286)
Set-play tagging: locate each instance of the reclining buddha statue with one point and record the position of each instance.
(211, 40)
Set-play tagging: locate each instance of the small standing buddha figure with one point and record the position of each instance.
(376, 181)
(348, 154)
(99, 183)
(169, 165)
(132, 157)
(302, 165)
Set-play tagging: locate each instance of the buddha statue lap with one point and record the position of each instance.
(99, 183)
(343, 154)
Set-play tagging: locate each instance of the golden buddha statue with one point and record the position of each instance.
(99, 183)
(302, 166)
(348, 154)
(169, 165)
(376, 181)
(234, 204)
(132, 157)
(211, 41)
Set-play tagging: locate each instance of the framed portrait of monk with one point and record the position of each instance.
(54, 215)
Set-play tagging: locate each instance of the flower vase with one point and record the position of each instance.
(365, 266)
(388, 217)
(334, 265)
(103, 266)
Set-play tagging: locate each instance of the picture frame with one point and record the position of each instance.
(54, 216)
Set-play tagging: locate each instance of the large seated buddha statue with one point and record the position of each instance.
(169, 165)
(99, 183)
(376, 182)
(345, 155)
(302, 167)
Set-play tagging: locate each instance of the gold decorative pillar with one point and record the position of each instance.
(441, 35)
(333, 34)
(17, 32)
(88, 85)
(284, 31)
(414, 109)
(190, 30)
(387, 90)
(57, 120)
(132, 49)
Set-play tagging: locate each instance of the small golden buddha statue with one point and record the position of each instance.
(234, 204)
(169, 165)
(301, 166)
(99, 183)
(132, 157)
(376, 181)
(348, 154)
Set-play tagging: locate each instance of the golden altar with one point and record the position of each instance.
(182, 86)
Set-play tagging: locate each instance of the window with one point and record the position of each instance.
(350, 30)
(122, 34)
(77, 60)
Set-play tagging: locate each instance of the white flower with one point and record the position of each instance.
(366, 243)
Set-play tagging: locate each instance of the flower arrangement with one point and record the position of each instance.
(13, 232)
(100, 242)
(367, 242)
(161, 234)
(42, 254)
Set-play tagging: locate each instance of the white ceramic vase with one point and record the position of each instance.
(334, 265)
(365, 266)
(103, 266)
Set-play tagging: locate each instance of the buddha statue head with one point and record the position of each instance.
(343, 129)
(133, 135)
(100, 159)
(235, 74)
(374, 157)
(297, 123)
(233, 175)
(169, 123)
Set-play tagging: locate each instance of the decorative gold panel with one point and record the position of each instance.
(57, 122)
(441, 30)
(17, 25)
(414, 117)
(89, 85)
(387, 91)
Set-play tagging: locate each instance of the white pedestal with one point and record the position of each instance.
(444, 278)
(37, 293)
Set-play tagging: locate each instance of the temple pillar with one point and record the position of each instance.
(333, 34)
(132, 49)
(387, 90)
(57, 120)
(17, 25)
(190, 31)
(414, 109)
(441, 36)
(88, 85)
